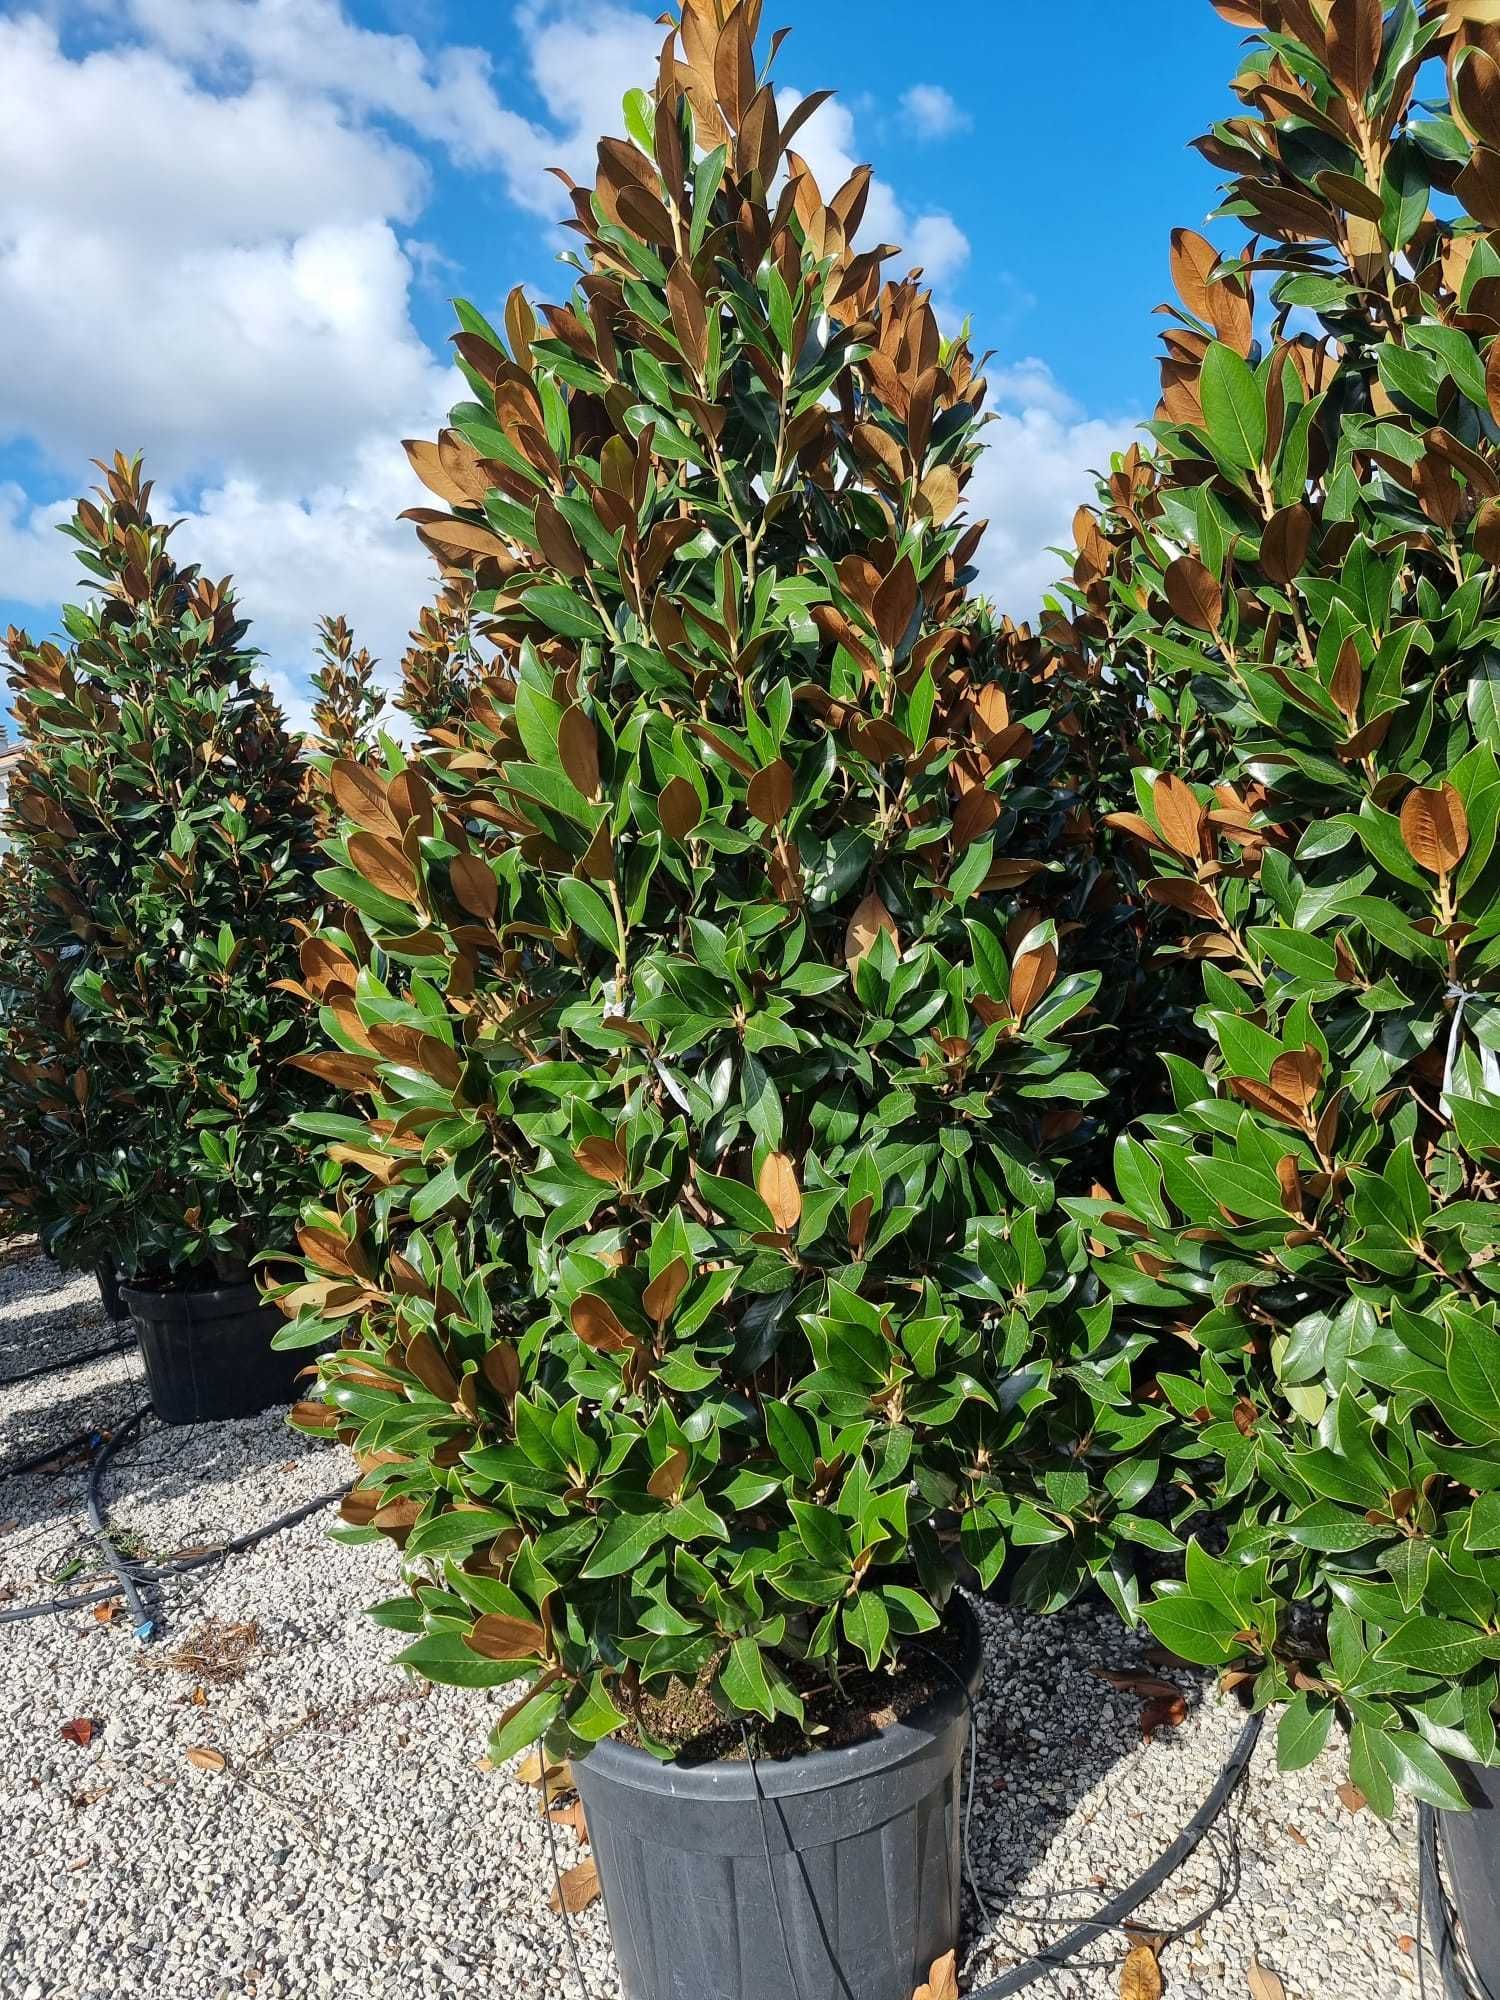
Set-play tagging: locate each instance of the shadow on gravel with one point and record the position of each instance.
(51, 1330)
(161, 1463)
(1050, 1732)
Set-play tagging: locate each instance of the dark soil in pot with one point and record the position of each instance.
(208, 1354)
(862, 1889)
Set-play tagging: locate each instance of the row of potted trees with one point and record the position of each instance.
(788, 1090)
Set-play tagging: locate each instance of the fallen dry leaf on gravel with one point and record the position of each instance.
(1163, 1713)
(942, 1981)
(80, 1731)
(1150, 1687)
(205, 1759)
(1265, 1984)
(580, 1887)
(1353, 1798)
(1140, 1975)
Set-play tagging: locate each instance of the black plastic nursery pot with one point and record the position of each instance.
(208, 1354)
(109, 1290)
(1471, 1863)
(862, 1891)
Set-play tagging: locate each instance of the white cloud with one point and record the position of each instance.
(1037, 470)
(932, 112)
(237, 301)
(339, 548)
(827, 143)
(582, 60)
(37, 564)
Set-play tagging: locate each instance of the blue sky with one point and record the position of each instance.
(231, 229)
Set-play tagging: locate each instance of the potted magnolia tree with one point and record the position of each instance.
(1301, 580)
(706, 986)
(163, 841)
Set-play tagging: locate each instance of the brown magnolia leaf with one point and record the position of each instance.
(536, 1770)
(770, 792)
(598, 1325)
(689, 315)
(578, 748)
(79, 1730)
(1140, 1975)
(680, 808)
(1179, 815)
(1195, 594)
(1347, 685)
(1435, 828)
(385, 866)
(558, 543)
(977, 813)
(896, 604)
(501, 1368)
(602, 1160)
(1194, 259)
(869, 920)
(351, 1073)
(939, 494)
(779, 1190)
(474, 886)
(1251, 1091)
(426, 1360)
(666, 1482)
(1031, 979)
(1487, 530)
(204, 1759)
(941, 1982)
(1177, 893)
(1134, 1680)
(1297, 1077)
(497, 1636)
(361, 796)
(1163, 1712)
(579, 1886)
(1284, 545)
(1265, 1984)
(663, 1292)
(1355, 28)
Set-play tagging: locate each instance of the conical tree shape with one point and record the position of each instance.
(703, 976)
(160, 815)
(1298, 589)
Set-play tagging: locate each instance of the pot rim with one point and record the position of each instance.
(211, 1301)
(730, 1781)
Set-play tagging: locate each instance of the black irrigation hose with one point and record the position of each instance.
(51, 1455)
(69, 1361)
(123, 1570)
(132, 1577)
(1129, 1900)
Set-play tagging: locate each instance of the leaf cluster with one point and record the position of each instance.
(1297, 586)
(162, 850)
(708, 977)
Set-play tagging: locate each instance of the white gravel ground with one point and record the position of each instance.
(352, 1846)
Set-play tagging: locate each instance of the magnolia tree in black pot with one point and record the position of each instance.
(1301, 582)
(162, 849)
(708, 985)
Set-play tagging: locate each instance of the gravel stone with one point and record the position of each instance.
(352, 1844)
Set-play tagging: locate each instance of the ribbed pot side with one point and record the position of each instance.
(864, 1851)
(208, 1355)
(1471, 1856)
